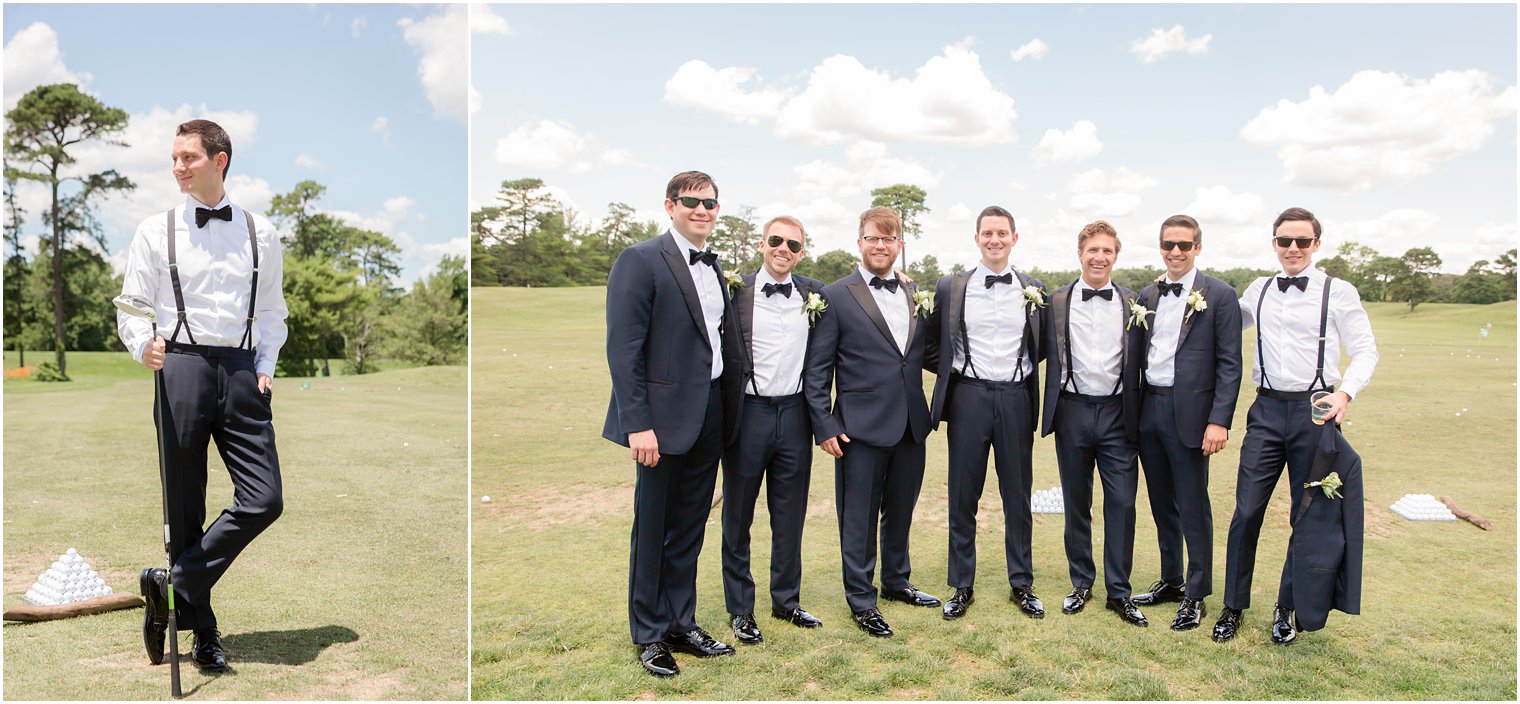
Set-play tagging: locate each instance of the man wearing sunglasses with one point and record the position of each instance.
(774, 438)
(1191, 379)
(983, 347)
(1302, 317)
(868, 347)
(671, 350)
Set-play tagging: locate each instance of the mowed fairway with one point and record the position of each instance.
(550, 554)
(356, 592)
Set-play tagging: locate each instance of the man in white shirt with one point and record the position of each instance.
(983, 347)
(774, 440)
(215, 271)
(1300, 326)
(1092, 401)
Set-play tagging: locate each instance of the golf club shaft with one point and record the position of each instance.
(159, 399)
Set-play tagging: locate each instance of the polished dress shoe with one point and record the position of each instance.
(1283, 631)
(910, 595)
(656, 658)
(155, 612)
(797, 617)
(207, 653)
(1189, 615)
(1027, 601)
(1227, 625)
(1160, 593)
(1076, 600)
(697, 642)
(871, 622)
(1125, 607)
(745, 630)
(956, 607)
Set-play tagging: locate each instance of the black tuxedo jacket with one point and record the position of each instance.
(1326, 545)
(1055, 361)
(658, 351)
(1207, 381)
(879, 390)
(945, 329)
(744, 312)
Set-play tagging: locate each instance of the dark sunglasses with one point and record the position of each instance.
(1184, 246)
(1302, 242)
(690, 202)
(776, 240)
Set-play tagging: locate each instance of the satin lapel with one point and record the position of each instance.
(1126, 297)
(1188, 314)
(744, 304)
(957, 307)
(912, 312)
(862, 293)
(1031, 318)
(1149, 298)
(1060, 312)
(680, 269)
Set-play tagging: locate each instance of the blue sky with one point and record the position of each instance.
(1394, 123)
(368, 100)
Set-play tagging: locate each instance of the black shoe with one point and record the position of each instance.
(1076, 600)
(207, 653)
(872, 623)
(956, 607)
(797, 617)
(1125, 607)
(745, 630)
(1190, 615)
(1160, 593)
(1227, 625)
(697, 642)
(1027, 601)
(1283, 631)
(656, 658)
(155, 612)
(910, 595)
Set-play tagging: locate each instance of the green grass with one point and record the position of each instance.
(357, 592)
(551, 550)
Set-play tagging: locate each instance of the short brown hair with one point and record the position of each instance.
(1100, 227)
(689, 180)
(1183, 221)
(213, 139)
(995, 211)
(787, 220)
(1296, 214)
(885, 220)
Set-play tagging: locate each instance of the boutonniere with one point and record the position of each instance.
(1033, 298)
(1329, 484)
(813, 307)
(1195, 303)
(923, 303)
(735, 281)
(1137, 314)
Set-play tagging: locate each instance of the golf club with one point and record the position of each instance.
(141, 307)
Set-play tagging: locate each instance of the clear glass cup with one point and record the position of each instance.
(1319, 407)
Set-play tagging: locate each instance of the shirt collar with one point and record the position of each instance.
(1186, 280)
(682, 242)
(762, 277)
(1310, 271)
(1082, 284)
(191, 203)
(867, 275)
(982, 270)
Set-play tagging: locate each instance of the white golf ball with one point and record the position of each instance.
(485, 499)
(406, 444)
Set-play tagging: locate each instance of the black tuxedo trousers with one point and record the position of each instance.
(1278, 432)
(876, 485)
(1089, 431)
(1177, 479)
(774, 445)
(996, 416)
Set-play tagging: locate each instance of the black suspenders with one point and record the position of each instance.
(1018, 357)
(1324, 319)
(1069, 376)
(179, 295)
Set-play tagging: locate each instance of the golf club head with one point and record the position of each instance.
(135, 306)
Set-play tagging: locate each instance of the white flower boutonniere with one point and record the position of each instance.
(1329, 485)
(1034, 298)
(1137, 314)
(1195, 303)
(923, 303)
(735, 281)
(814, 307)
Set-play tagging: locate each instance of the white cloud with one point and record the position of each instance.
(445, 60)
(1162, 42)
(381, 126)
(251, 193)
(545, 145)
(1076, 144)
(1107, 195)
(390, 219)
(1216, 205)
(483, 20)
(1035, 49)
(428, 255)
(949, 100)
(357, 26)
(1380, 127)
(307, 161)
(32, 59)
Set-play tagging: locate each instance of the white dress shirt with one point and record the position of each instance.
(995, 323)
(216, 276)
(778, 338)
(1166, 332)
(710, 292)
(893, 306)
(1097, 340)
(1290, 332)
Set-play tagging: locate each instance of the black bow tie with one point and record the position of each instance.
(783, 289)
(1004, 279)
(204, 214)
(1174, 289)
(1106, 294)
(1283, 282)
(708, 258)
(889, 284)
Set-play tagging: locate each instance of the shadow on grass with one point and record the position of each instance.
(294, 647)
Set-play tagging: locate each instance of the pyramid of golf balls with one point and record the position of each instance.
(69, 579)
(1047, 501)
(1422, 507)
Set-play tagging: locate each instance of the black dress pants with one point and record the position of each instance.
(874, 484)
(1177, 479)
(995, 416)
(1090, 430)
(1278, 432)
(774, 445)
